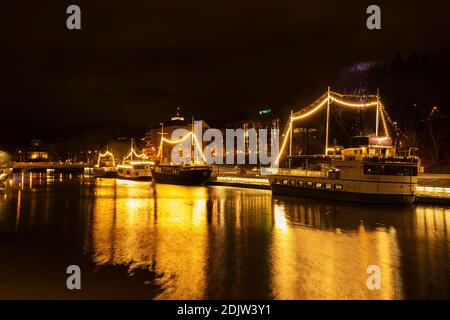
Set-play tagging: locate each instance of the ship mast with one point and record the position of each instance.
(328, 121)
(132, 142)
(290, 140)
(378, 113)
(192, 143)
(162, 143)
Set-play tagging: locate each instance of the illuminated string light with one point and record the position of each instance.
(383, 119)
(354, 95)
(199, 148)
(284, 142)
(177, 141)
(160, 148)
(106, 154)
(197, 144)
(134, 153)
(316, 107)
(353, 105)
(307, 114)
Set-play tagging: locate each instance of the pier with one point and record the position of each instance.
(431, 188)
(58, 167)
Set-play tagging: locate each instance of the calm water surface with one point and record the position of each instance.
(137, 240)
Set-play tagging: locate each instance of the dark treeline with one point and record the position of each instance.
(415, 90)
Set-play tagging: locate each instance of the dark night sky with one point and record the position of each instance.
(133, 62)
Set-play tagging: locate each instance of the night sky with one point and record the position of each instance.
(134, 62)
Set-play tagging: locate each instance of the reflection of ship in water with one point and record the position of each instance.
(409, 243)
(345, 216)
(222, 243)
(3, 177)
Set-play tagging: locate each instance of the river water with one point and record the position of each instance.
(137, 240)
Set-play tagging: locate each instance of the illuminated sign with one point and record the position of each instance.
(264, 111)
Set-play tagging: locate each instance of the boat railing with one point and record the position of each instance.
(294, 172)
(396, 159)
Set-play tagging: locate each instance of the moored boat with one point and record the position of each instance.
(371, 173)
(190, 173)
(106, 166)
(135, 170)
(181, 174)
(132, 169)
(105, 172)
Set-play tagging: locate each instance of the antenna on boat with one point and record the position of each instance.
(328, 121)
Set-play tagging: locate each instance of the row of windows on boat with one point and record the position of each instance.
(310, 184)
(167, 170)
(128, 172)
(390, 170)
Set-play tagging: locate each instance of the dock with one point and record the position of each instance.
(57, 167)
(431, 188)
(434, 189)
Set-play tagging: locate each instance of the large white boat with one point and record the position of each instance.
(371, 173)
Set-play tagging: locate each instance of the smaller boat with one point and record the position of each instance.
(106, 166)
(192, 174)
(105, 172)
(135, 169)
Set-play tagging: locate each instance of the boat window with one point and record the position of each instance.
(390, 170)
(277, 181)
(338, 187)
(328, 186)
(309, 184)
(285, 181)
(293, 183)
(139, 166)
(393, 170)
(318, 185)
(301, 183)
(371, 169)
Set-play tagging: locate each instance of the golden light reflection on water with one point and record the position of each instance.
(330, 264)
(195, 236)
(167, 236)
(220, 242)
